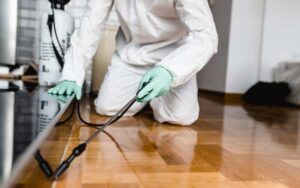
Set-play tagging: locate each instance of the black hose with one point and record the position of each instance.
(100, 124)
(56, 35)
(69, 117)
(115, 118)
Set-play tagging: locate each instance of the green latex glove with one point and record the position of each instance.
(66, 87)
(60, 98)
(157, 82)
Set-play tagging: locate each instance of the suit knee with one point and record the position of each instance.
(178, 118)
(107, 108)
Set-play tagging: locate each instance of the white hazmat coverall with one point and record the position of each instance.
(179, 35)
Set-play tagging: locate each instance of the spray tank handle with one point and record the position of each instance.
(61, 3)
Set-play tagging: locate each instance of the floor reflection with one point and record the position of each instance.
(257, 141)
(231, 145)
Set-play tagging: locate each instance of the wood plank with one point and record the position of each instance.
(231, 145)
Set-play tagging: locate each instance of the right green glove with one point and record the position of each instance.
(157, 82)
(66, 87)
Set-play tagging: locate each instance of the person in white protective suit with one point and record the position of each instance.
(161, 45)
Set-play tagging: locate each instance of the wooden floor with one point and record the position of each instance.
(231, 145)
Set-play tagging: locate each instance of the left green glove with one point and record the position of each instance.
(157, 82)
(66, 87)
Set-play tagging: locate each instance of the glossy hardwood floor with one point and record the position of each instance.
(231, 145)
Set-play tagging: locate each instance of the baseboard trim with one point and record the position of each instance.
(229, 98)
(216, 93)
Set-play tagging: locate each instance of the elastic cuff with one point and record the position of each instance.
(79, 82)
(166, 70)
(175, 80)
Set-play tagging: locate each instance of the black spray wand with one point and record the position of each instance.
(77, 151)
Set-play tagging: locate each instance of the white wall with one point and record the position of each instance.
(281, 36)
(235, 68)
(245, 44)
(213, 76)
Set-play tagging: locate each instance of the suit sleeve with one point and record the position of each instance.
(85, 40)
(200, 44)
